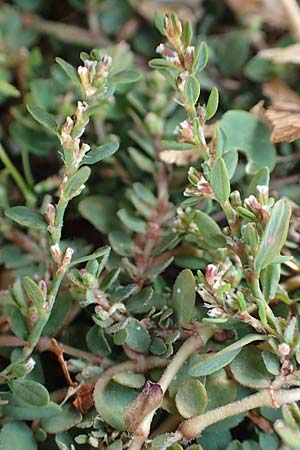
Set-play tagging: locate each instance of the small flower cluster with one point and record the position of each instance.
(215, 291)
(93, 75)
(259, 207)
(70, 138)
(200, 186)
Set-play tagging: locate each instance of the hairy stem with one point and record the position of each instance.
(192, 428)
(186, 350)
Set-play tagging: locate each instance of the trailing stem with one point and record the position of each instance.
(191, 345)
(192, 428)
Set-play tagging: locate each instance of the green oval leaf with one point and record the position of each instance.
(17, 436)
(42, 117)
(159, 21)
(101, 152)
(201, 57)
(132, 222)
(191, 399)
(217, 361)
(246, 133)
(138, 338)
(159, 63)
(212, 103)
(30, 392)
(27, 217)
(274, 236)
(191, 90)
(68, 418)
(125, 76)
(249, 370)
(130, 379)
(184, 296)
(33, 292)
(76, 181)
(69, 70)
(111, 401)
(219, 181)
(261, 178)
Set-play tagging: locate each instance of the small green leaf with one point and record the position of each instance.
(159, 21)
(97, 154)
(64, 441)
(43, 118)
(201, 57)
(164, 441)
(270, 277)
(249, 370)
(27, 217)
(271, 362)
(212, 104)
(76, 181)
(19, 410)
(289, 436)
(209, 230)
(231, 160)
(187, 33)
(17, 436)
(174, 145)
(218, 360)
(129, 379)
(111, 401)
(100, 252)
(69, 70)
(159, 63)
(219, 181)
(132, 222)
(100, 211)
(246, 133)
(68, 418)
(138, 338)
(97, 342)
(261, 178)
(9, 89)
(220, 389)
(191, 399)
(30, 392)
(191, 90)
(122, 243)
(157, 269)
(158, 347)
(184, 297)
(125, 76)
(116, 445)
(274, 235)
(143, 162)
(33, 292)
(144, 193)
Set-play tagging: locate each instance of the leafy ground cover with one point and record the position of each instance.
(149, 225)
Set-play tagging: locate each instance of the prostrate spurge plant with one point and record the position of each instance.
(165, 364)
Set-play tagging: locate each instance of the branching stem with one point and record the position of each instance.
(192, 428)
(186, 350)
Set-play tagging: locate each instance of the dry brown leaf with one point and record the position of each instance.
(187, 10)
(148, 400)
(180, 158)
(270, 11)
(259, 111)
(184, 157)
(284, 112)
(84, 398)
(290, 54)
